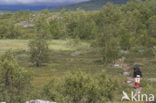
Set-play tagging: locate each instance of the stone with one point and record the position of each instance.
(25, 24)
(124, 52)
(126, 73)
(128, 81)
(152, 79)
(138, 64)
(116, 65)
(76, 53)
(39, 101)
(141, 51)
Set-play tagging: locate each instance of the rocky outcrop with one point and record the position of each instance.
(39, 101)
(26, 24)
(36, 101)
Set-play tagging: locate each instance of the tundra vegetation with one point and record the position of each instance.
(68, 56)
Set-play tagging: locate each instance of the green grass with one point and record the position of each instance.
(13, 44)
(59, 45)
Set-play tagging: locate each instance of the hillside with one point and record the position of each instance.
(79, 56)
(90, 5)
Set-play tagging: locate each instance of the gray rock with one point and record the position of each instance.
(117, 65)
(76, 53)
(39, 101)
(124, 52)
(25, 24)
(22, 55)
(128, 82)
(126, 73)
(141, 51)
(130, 79)
(152, 79)
(138, 64)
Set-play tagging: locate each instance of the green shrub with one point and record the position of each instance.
(39, 51)
(14, 80)
(81, 87)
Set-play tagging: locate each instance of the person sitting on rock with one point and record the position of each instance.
(137, 76)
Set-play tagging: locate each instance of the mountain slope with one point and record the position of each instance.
(90, 5)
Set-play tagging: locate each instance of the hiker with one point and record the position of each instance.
(137, 76)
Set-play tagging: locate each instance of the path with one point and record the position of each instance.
(127, 70)
(127, 73)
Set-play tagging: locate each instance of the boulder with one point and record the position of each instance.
(138, 64)
(76, 53)
(141, 51)
(152, 79)
(128, 81)
(25, 24)
(39, 101)
(126, 73)
(117, 65)
(124, 52)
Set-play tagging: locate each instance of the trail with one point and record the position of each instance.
(127, 71)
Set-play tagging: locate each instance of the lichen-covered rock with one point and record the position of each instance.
(126, 73)
(39, 101)
(152, 79)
